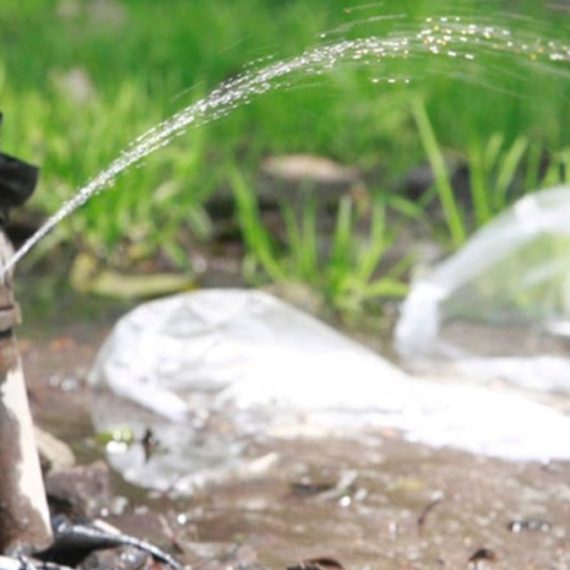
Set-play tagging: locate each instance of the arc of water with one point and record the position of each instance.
(448, 36)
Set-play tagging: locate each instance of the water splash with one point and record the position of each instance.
(446, 36)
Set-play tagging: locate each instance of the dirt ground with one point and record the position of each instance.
(378, 502)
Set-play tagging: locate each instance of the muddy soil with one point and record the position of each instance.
(377, 502)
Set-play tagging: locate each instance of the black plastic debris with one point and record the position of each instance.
(529, 525)
(482, 558)
(322, 563)
(18, 180)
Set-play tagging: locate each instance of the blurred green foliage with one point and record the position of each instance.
(79, 79)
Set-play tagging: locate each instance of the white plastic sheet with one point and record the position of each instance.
(500, 307)
(242, 346)
(269, 368)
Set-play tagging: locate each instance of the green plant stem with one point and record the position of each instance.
(453, 217)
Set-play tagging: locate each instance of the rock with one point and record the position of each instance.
(239, 558)
(76, 84)
(420, 179)
(124, 558)
(300, 176)
(55, 455)
(298, 168)
(80, 491)
(87, 276)
(107, 13)
(298, 294)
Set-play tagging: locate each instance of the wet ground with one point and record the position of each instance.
(376, 502)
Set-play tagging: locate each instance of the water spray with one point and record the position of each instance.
(445, 37)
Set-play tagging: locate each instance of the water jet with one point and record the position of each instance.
(26, 528)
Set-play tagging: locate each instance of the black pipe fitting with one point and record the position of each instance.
(18, 181)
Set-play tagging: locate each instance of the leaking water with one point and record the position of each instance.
(449, 37)
(376, 527)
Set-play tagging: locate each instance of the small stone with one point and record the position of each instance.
(124, 558)
(306, 167)
(76, 84)
(55, 455)
(81, 491)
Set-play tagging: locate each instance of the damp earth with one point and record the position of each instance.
(372, 501)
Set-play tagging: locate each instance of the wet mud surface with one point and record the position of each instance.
(373, 502)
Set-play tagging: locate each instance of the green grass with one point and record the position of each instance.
(505, 117)
(499, 173)
(345, 270)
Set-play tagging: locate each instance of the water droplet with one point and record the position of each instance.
(345, 501)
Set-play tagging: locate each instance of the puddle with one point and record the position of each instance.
(375, 501)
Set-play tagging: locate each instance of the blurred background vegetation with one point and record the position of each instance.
(434, 144)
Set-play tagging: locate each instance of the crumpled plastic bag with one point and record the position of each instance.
(500, 307)
(221, 367)
(243, 346)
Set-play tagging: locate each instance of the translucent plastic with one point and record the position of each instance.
(222, 368)
(242, 346)
(500, 307)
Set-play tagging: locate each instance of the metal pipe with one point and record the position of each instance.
(24, 516)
